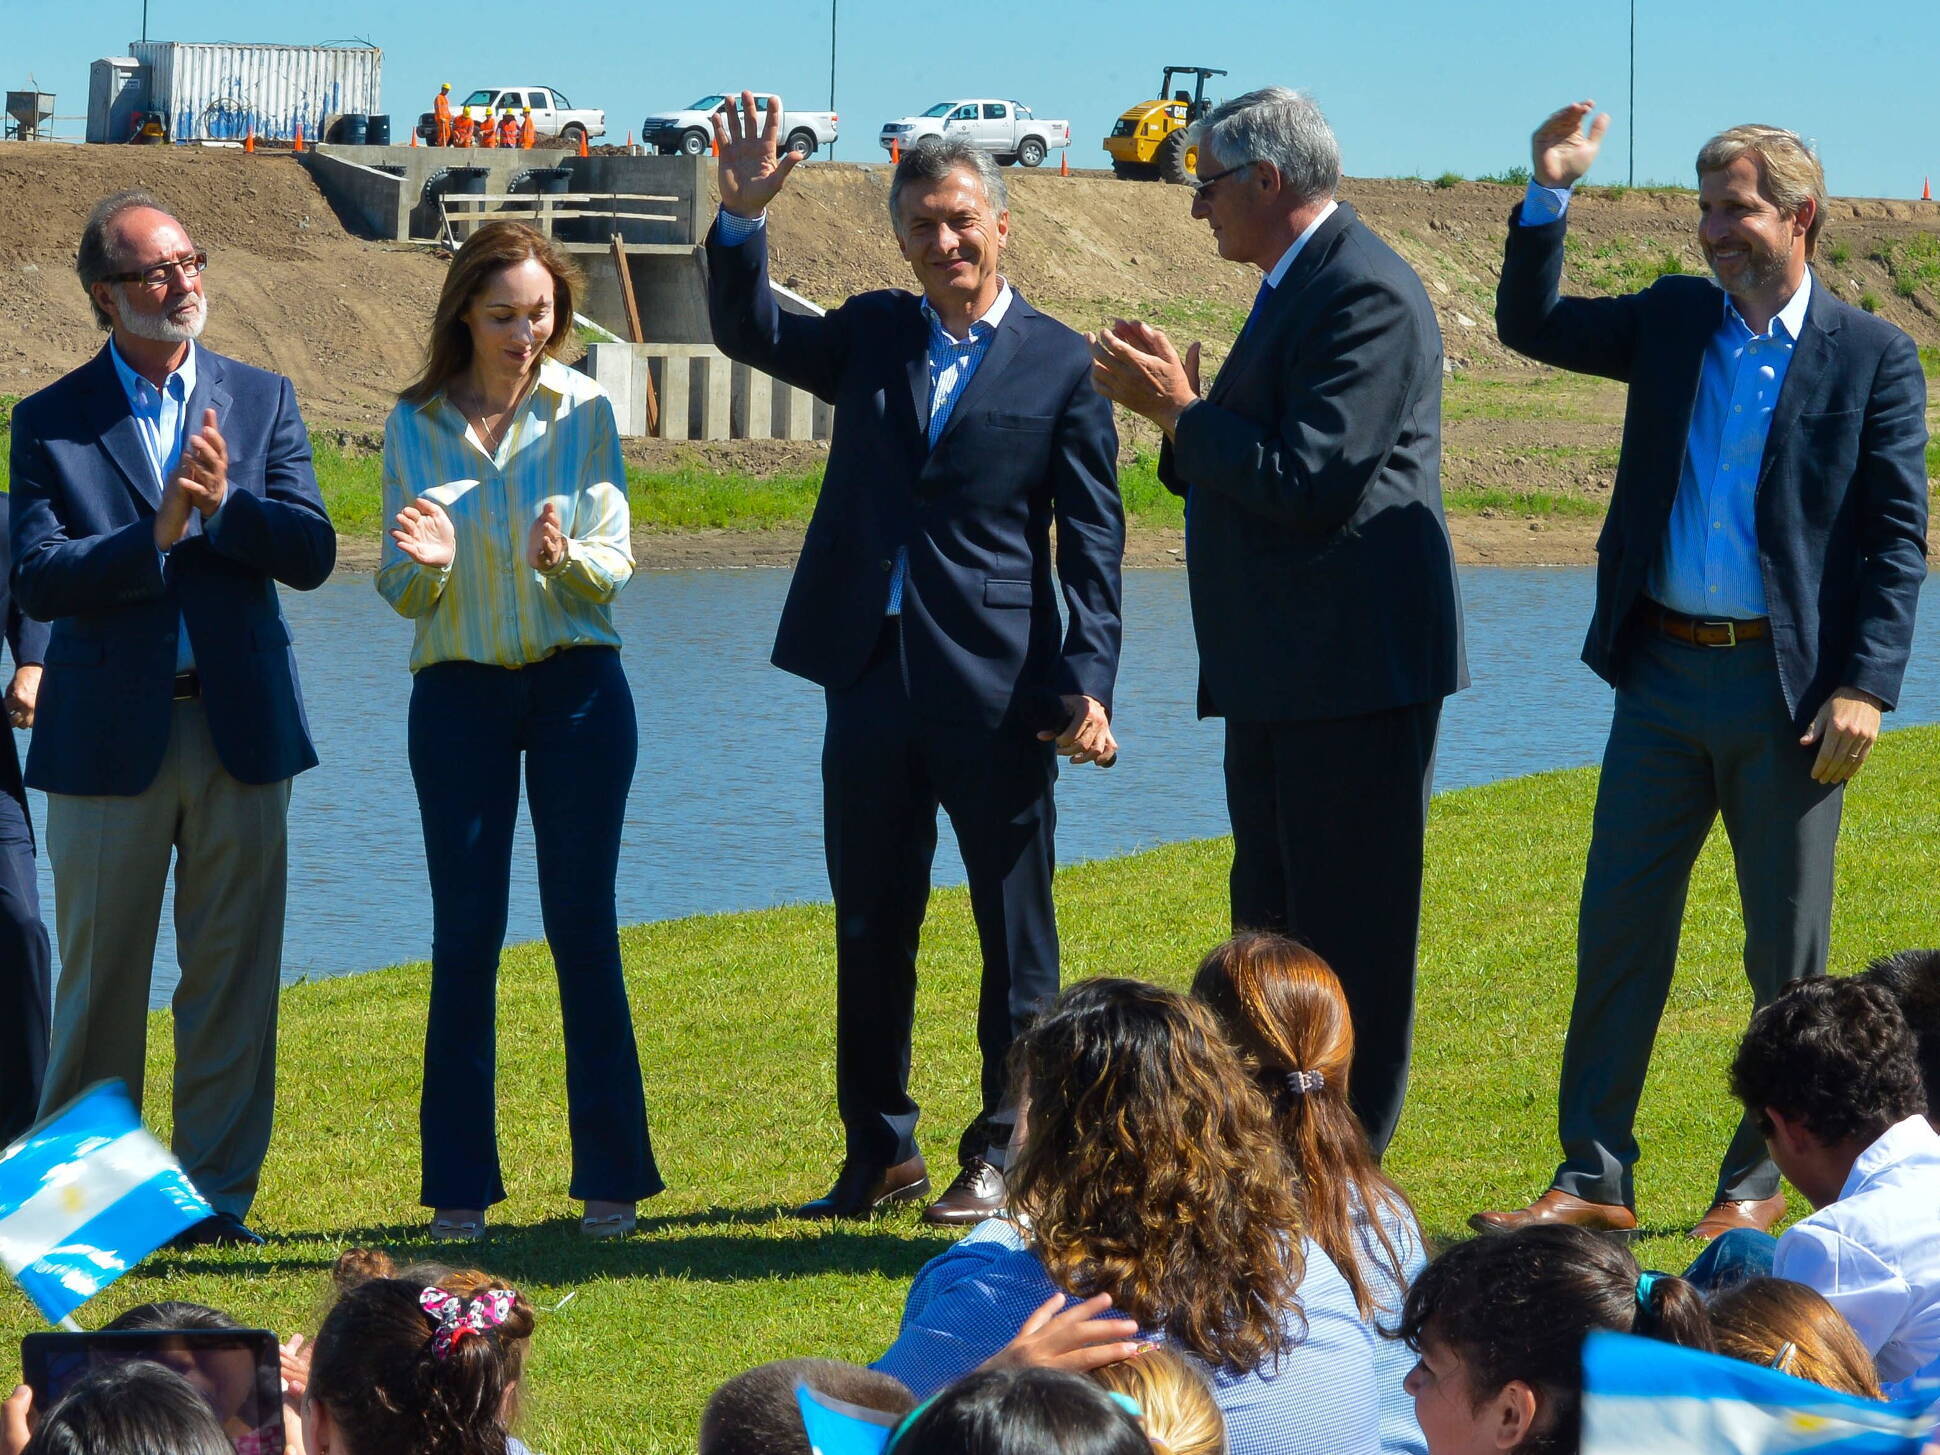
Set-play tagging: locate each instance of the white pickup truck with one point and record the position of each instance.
(690, 130)
(552, 113)
(1004, 128)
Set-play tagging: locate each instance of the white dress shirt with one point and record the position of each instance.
(1875, 1253)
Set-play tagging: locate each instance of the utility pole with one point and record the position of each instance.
(144, 21)
(1632, 120)
(832, 4)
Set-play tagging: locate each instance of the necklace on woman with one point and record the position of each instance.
(472, 405)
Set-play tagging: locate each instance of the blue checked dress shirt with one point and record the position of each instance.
(1318, 1398)
(161, 423)
(1707, 565)
(953, 363)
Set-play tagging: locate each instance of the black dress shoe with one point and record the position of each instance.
(978, 1193)
(223, 1230)
(861, 1189)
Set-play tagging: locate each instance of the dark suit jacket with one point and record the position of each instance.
(1842, 491)
(1322, 580)
(1028, 442)
(85, 561)
(27, 639)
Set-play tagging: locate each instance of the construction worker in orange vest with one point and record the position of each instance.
(487, 130)
(508, 129)
(461, 127)
(441, 115)
(528, 133)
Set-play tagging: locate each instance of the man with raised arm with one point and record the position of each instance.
(1756, 580)
(925, 605)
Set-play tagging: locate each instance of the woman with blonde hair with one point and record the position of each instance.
(1176, 1404)
(1285, 1011)
(1790, 1327)
(502, 470)
(1147, 1168)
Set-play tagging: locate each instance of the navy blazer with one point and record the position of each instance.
(27, 639)
(1028, 442)
(1322, 578)
(1841, 509)
(84, 560)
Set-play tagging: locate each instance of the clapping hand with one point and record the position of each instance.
(752, 169)
(1560, 153)
(424, 533)
(1135, 365)
(545, 544)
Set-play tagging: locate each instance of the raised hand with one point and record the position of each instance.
(205, 466)
(545, 543)
(752, 169)
(424, 534)
(1559, 152)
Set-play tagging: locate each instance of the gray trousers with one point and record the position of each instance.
(1698, 731)
(110, 857)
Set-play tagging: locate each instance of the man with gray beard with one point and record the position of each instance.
(159, 492)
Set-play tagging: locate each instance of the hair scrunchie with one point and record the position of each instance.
(1304, 1083)
(457, 1317)
(1646, 1282)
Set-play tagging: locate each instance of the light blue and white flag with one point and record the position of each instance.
(1644, 1397)
(84, 1197)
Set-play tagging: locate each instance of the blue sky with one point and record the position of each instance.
(1414, 87)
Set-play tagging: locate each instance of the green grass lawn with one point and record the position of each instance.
(734, 1023)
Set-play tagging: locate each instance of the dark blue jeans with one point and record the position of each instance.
(1730, 1259)
(571, 716)
(24, 977)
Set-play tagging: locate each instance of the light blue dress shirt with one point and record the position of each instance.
(953, 363)
(161, 422)
(1317, 1398)
(1708, 563)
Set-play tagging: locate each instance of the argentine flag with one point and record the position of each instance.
(1643, 1397)
(84, 1197)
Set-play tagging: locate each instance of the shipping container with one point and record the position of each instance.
(115, 95)
(222, 91)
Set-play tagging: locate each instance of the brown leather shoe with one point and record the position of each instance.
(977, 1193)
(1558, 1206)
(861, 1190)
(1764, 1215)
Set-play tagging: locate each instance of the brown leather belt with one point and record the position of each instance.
(1699, 631)
(188, 685)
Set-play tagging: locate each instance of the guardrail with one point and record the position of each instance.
(542, 208)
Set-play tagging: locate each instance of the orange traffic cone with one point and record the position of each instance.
(1926, 189)
(629, 143)
(895, 150)
(297, 145)
(1064, 163)
(582, 145)
(249, 141)
(414, 136)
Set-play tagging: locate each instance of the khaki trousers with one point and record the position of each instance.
(110, 857)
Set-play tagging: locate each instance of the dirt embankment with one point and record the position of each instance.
(292, 290)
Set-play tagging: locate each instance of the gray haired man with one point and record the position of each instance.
(1322, 581)
(926, 604)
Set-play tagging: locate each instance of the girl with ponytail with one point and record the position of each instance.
(426, 1362)
(1499, 1324)
(1285, 1011)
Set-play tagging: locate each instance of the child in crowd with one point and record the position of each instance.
(1912, 978)
(1286, 1012)
(1498, 1324)
(1828, 1072)
(1174, 1400)
(1790, 1328)
(757, 1413)
(1023, 1412)
(1149, 1169)
(426, 1362)
(138, 1408)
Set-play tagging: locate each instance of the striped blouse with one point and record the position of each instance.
(561, 445)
